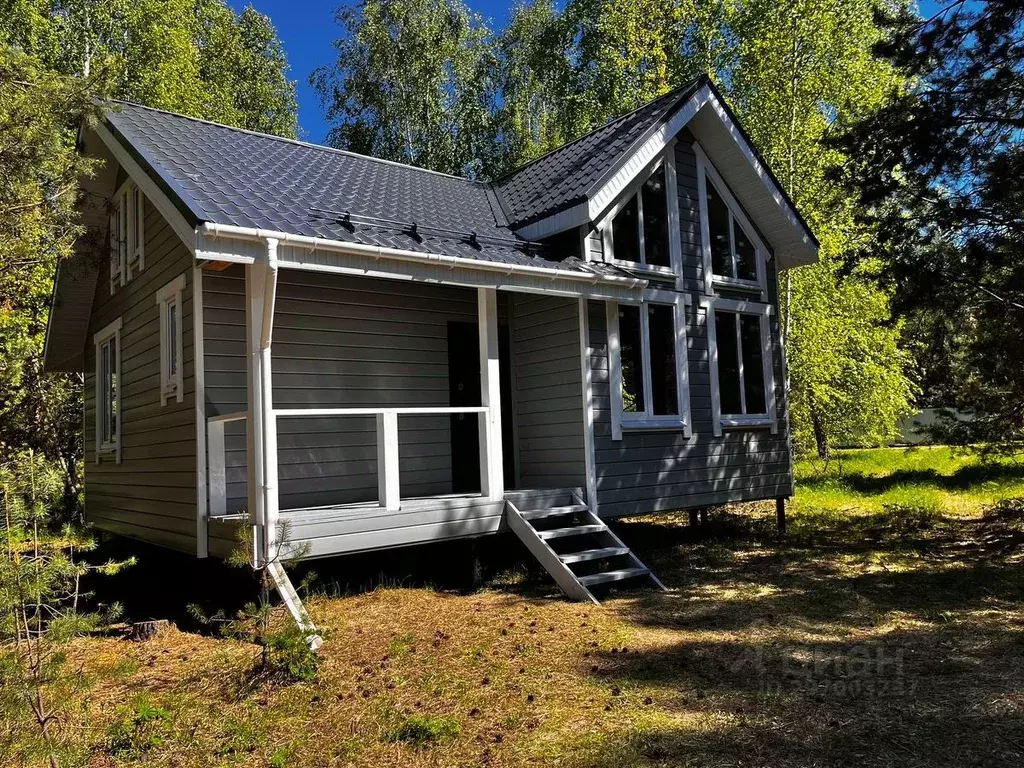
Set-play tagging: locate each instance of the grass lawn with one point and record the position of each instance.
(887, 630)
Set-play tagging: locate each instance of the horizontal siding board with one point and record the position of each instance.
(545, 338)
(151, 494)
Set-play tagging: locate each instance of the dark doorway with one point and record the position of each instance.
(464, 390)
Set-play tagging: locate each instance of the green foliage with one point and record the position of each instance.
(56, 56)
(425, 730)
(139, 728)
(412, 82)
(938, 170)
(40, 593)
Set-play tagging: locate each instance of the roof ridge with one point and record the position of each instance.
(298, 142)
(685, 86)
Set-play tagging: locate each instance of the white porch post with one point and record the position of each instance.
(492, 476)
(255, 275)
(261, 425)
(388, 489)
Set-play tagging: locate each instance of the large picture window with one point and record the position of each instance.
(642, 225)
(742, 381)
(733, 254)
(108, 390)
(648, 359)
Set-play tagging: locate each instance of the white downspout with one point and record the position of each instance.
(272, 553)
(269, 441)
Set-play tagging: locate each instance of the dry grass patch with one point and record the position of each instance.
(886, 636)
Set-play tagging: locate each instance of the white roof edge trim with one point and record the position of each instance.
(604, 193)
(762, 173)
(167, 209)
(230, 231)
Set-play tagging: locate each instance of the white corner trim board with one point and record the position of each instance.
(199, 366)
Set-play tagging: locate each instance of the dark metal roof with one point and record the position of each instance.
(215, 173)
(562, 177)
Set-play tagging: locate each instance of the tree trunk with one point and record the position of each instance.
(820, 436)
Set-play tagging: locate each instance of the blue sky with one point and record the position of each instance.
(307, 29)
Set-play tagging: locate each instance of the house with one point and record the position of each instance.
(351, 354)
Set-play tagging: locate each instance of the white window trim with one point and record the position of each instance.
(722, 421)
(137, 221)
(664, 159)
(101, 337)
(706, 169)
(622, 420)
(171, 386)
(127, 234)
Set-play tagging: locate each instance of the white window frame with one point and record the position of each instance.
(624, 420)
(171, 385)
(100, 338)
(664, 160)
(719, 420)
(705, 171)
(137, 236)
(127, 234)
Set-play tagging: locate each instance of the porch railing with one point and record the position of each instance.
(388, 485)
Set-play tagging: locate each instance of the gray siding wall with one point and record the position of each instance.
(339, 342)
(650, 471)
(545, 340)
(151, 494)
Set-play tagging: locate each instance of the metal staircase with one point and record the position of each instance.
(572, 543)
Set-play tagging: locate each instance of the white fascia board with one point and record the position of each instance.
(764, 176)
(606, 191)
(242, 245)
(168, 210)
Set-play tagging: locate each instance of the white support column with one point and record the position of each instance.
(255, 276)
(492, 473)
(388, 488)
(586, 379)
(261, 437)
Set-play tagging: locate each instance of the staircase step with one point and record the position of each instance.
(539, 514)
(602, 578)
(593, 554)
(576, 530)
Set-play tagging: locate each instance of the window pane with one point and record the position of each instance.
(753, 373)
(632, 360)
(746, 265)
(103, 406)
(656, 220)
(172, 338)
(728, 363)
(662, 330)
(718, 229)
(113, 390)
(626, 233)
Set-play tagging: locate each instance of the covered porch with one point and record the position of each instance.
(352, 413)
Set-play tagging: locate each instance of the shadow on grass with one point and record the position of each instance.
(963, 479)
(903, 648)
